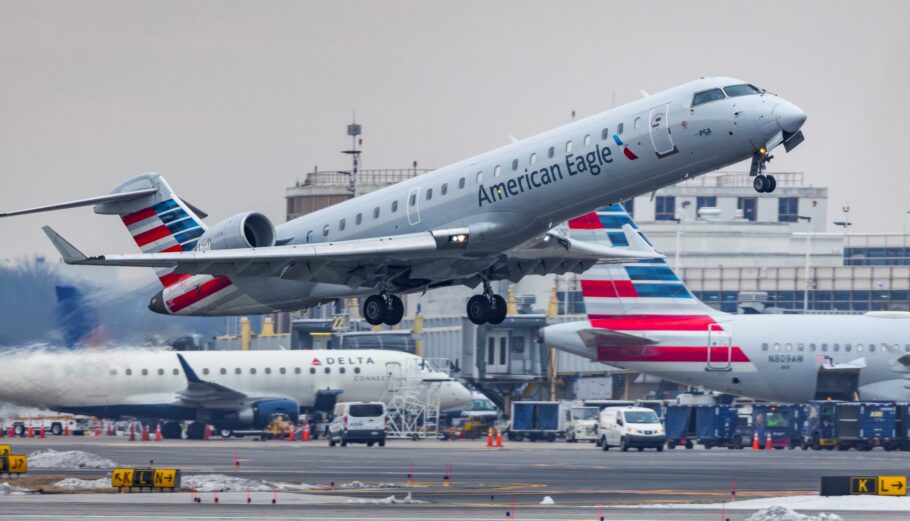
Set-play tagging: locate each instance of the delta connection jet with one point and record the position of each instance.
(641, 317)
(232, 390)
(489, 217)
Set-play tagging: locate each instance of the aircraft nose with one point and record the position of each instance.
(156, 303)
(454, 395)
(789, 117)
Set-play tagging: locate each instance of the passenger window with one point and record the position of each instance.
(328, 370)
(800, 347)
(604, 134)
(637, 123)
(848, 347)
(587, 139)
(282, 371)
(176, 371)
(325, 231)
(376, 213)
(444, 189)
(309, 235)
(268, 370)
(479, 177)
(223, 371)
(129, 372)
(619, 129)
(777, 347)
(836, 347)
(551, 152)
(859, 348)
(497, 171)
(145, 372)
(825, 348)
(113, 372)
(811, 347)
(534, 158)
(871, 348)
(764, 347)
(341, 370)
(161, 372)
(237, 371)
(356, 370)
(461, 183)
(204, 370)
(514, 165)
(312, 370)
(394, 206)
(252, 370)
(358, 219)
(413, 199)
(789, 347)
(429, 193)
(568, 147)
(341, 224)
(706, 96)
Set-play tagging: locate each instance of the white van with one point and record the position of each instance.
(625, 427)
(358, 422)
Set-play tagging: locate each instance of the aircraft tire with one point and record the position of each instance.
(760, 183)
(375, 310)
(195, 431)
(395, 311)
(772, 184)
(498, 310)
(172, 431)
(478, 309)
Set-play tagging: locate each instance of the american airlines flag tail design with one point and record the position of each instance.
(163, 223)
(647, 299)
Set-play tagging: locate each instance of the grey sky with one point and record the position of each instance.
(233, 101)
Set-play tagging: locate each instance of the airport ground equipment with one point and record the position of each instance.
(680, 426)
(412, 400)
(55, 424)
(845, 425)
(902, 425)
(534, 421)
(581, 423)
(782, 422)
(709, 425)
(13, 463)
(127, 479)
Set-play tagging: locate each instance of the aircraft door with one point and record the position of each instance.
(660, 132)
(720, 349)
(414, 206)
(393, 376)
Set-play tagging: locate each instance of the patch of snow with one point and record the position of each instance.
(82, 484)
(12, 490)
(223, 483)
(779, 513)
(362, 485)
(70, 459)
(817, 503)
(391, 500)
(547, 500)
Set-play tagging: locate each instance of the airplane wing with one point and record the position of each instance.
(596, 337)
(200, 393)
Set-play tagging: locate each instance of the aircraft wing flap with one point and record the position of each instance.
(595, 337)
(556, 246)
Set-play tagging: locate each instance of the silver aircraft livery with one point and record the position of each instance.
(489, 217)
(641, 317)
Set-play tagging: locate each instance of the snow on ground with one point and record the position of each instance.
(391, 500)
(83, 484)
(779, 513)
(818, 503)
(223, 483)
(12, 490)
(361, 485)
(547, 500)
(70, 459)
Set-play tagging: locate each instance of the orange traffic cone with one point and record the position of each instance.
(145, 433)
(31, 432)
(768, 444)
(158, 432)
(66, 429)
(41, 433)
(498, 439)
(292, 436)
(132, 432)
(97, 430)
(755, 442)
(305, 435)
(208, 432)
(12, 431)
(489, 437)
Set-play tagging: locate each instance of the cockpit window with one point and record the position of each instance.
(741, 90)
(706, 96)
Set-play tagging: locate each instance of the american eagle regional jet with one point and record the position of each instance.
(489, 217)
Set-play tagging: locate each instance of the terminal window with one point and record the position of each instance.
(749, 207)
(665, 208)
(788, 209)
(708, 201)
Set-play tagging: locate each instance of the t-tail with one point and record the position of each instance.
(642, 311)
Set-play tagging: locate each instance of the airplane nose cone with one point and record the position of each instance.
(156, 303)
(789, 117)
(454, 395)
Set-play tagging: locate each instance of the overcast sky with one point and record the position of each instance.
(234, 101)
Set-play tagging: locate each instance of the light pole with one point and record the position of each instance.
(679, 223)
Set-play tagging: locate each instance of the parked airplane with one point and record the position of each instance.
(641, 317)
(233, 390)
(486, 218)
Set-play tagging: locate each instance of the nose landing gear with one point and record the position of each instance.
(763, 184)
(487, 307)
(383, 309)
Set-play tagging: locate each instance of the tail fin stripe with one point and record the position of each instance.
(173, 249)
(651, 273)
(173, 215)
(163, 206)
(135, 217)
(180, 226)
(188, 246)
(186, 236)
(652, 322)
(588, 221)
(662, 290)
(608, 288)
(152, 235)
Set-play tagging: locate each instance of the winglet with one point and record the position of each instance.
(638, 243)
(70, 254)
(187, 370)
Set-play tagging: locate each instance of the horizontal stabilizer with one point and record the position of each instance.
(638, 243)
(599, 336)
(70, 253)
(110, 198)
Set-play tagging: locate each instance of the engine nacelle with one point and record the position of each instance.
(258, 414)
(244, 230)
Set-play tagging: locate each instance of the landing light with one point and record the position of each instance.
(458, 239)
(762, 150)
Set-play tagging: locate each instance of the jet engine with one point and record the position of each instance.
(244, 230)
(258, 414)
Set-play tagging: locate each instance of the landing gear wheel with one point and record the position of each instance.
(194, 431)
(478, 309)
(498, 311)
(225, 433)
(395, 311)
(772, 184)
(375, 310)
(173, 431)
(760, 183)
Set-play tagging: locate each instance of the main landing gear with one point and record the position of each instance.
(383, 309)
(764, 184)
(487, 308)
